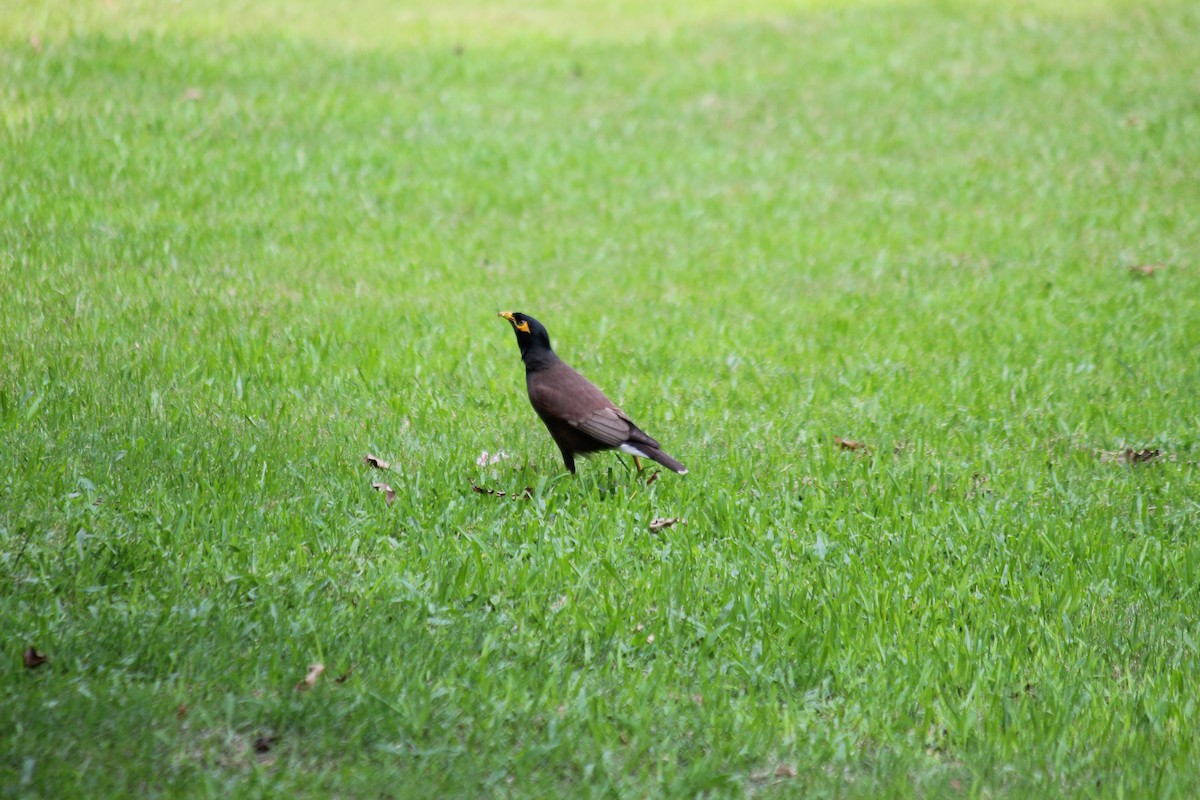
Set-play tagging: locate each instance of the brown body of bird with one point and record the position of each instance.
(578, 415)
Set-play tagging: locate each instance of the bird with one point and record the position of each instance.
(580, 418)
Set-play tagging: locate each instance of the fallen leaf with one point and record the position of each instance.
(181, 712)
(389, 494)
(1146, 270)
(342, 678)
(263, 743)
(1132, 456)
(1129, 455)
(653, 477)
(35, 42)
(848, 444)
(658, 524)
(192, 94)
(376, 462)
(34, 659)
(525, 493)
(785, 771)
(978, 485)
(310, 680)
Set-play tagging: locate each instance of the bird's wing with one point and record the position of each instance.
(562, 393)
(612, 427)
(607, 425)
(565, 394)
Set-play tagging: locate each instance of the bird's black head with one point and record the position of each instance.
(531, 338)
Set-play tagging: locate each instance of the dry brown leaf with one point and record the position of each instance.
(193, 94)
(389, 493)
(1129, 455)
(978, 485)
(310, 680)
(653, 477)
(525, 494)
(181, 712)
(376, 462)
(848, 444)
(785, 771)
(342, 678)
(34, 658)
(1146, 270)
(658, 524)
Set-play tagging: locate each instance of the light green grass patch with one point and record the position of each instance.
(242, 247)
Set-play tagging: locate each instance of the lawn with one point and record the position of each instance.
(911, 288)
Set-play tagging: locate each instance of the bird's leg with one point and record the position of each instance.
(637, 462)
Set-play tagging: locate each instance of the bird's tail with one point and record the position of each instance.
(655, 454)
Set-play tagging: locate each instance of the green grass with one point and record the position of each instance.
(240, 248)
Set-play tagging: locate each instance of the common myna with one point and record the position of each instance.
(577, 414)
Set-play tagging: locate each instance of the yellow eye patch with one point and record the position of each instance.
(522, 326)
